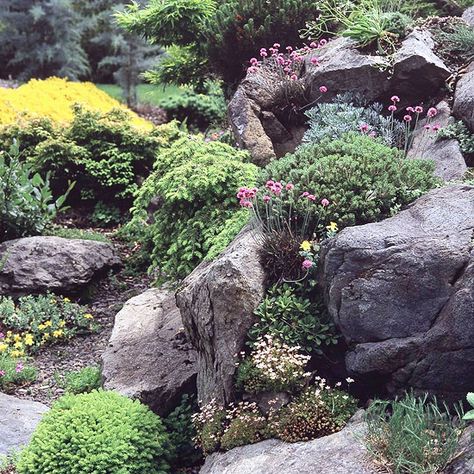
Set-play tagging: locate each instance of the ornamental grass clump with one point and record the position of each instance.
(272, 366)
(97, 432)
(412, 435)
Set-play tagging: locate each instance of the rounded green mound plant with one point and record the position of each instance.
(186, 210)
(98, 432)
(363, 179)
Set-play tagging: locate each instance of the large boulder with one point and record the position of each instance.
(463, 462)
(463, 107)
(401, 292)
(217, 301)
(416, 73)
(19, 419)
(339, 453)
(148, 356)
(446, 154)
(39, 264)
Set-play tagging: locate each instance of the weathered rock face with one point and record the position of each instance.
(463, 107)
(446, 154)
(468, 16)
(464, 458)
(217, 302)
(19, 420)
(340, 453)
(148, 356)
(417, 75)
(39, 264)
(402, 293)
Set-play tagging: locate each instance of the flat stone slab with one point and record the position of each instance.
(18, 421)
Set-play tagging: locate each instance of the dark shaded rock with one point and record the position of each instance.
(446, 154)
(40, 264)
(402, 293)
(464, 458)
(343, 68)
(417, 70)
(274, 128)
(271, 401)
(244, 115)
(339, 453)
(19, 419)
(463, 108)
(148, 356)
(217, 301)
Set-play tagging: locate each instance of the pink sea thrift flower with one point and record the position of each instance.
(392, 108)
(323, 42)
(311, 197)
(364, 128)
(419, 109)
(314, 60)
(395, 99)
(2, 373)
(323, 89)
(307, 264)
(19, 367)
(436, 128)
(408, 118)
(324, 202)
(266, 198)
(254, 61)
(276, 45)
(410, 109)
(2, 335)
(432, 112)
(305, 194)
(294, 77)
(289, 186)
(313, 44)
(289, 49)
(252, 69)
(427, 127)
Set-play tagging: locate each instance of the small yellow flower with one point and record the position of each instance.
(29, 341)
(66, 300)
(45, 337)
(88, 316)
(48, 324)
(3, 347)
(332, 227)
(16, 353)
(41, 326)
(58, 333)
(17, 337)
(62, 324)
(18, 345)
(306, 245)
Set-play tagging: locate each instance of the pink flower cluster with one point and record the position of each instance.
(289, 60)
(418, 110)
(246, 195)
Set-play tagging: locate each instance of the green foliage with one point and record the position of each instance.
(14, 372)
(44, 318)
(182, 432)
(97, 432)
(470, 414)
(362, 178)
(289, 316)
(105, 215)
(84, 380)
(104, 153)
(179, 65)
(27, 205)
(313, 414)
(168, 21)
(411, 435)
(72, 233)
(199, 111)
(462, 134)
(241, 27)
(332, 120)
(182, 209)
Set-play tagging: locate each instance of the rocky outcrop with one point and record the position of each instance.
(19, 419)
(401, 292)
(148, 356)
(463, 107)
(39, 264)
(446, 154)
(217, 301)
(468, 16)
(463, 462)
(339, 453)
(415, 74)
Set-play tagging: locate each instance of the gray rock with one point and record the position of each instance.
(402, 293)
(468, 16)
(463, 462)
(217, 301)
(463, 108)
(340, 453)
(19, 419)
(417, 71)
(446, 154)
(39, 264)
(148, 356)
(343, 68)
(244, 115)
